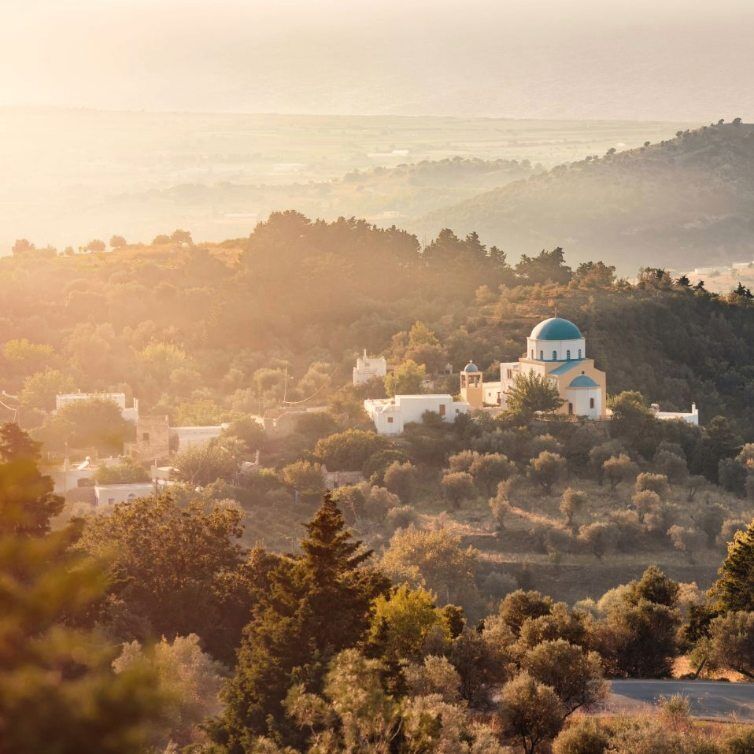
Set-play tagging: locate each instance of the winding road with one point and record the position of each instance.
(709, 699)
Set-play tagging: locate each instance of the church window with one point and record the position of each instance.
(554, 355)
(579, 353)
(390, 420)
(570, 408)
(442, 409)
(591, 403)
(568, 355)
(541, 355)
(532, 354)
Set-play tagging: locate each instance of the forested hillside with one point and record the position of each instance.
(203, 332)
(681, 203)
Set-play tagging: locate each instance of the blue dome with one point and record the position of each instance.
(556, 328)
(583, 380)
(471, 367)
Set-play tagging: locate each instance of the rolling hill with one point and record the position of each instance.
(680, 203)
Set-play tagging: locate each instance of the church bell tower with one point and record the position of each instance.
(472, 385)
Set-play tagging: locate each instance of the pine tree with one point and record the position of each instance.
(339, 589)
(735, 584)
(27, 501)
(315, 606)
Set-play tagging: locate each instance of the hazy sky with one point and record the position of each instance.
(563, 58)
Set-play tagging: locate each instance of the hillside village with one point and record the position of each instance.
(376, 378)
(558, 470)
(555, 352)
(178, 410)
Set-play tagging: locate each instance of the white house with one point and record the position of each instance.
(369, 367)
(390, 415)
(110, 494)
(119, 399)
(68, 477)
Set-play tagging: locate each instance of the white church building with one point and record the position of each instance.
(555, 350)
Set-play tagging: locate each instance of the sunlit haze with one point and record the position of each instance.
(376, 376)
(559, 59)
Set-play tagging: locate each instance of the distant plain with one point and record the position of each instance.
(73, 175)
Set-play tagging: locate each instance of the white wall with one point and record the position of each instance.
(190, 437)
(690, 418)
(119, 399)
(543, 349)
(390, 416)
(580, 398)
(493, 393)
(110, 494)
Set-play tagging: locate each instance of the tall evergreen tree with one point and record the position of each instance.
(27, 501)
(315, 605)
(339, 589)
(734, 588)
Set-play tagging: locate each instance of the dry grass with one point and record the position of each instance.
(573, 576)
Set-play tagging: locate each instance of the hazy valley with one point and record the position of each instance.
(71, 176)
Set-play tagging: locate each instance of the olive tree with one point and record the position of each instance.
(530, 712)
(547, 469)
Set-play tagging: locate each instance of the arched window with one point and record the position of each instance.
(541, 355)
(554, 355)
(579, 353)
(532, 353)
(591, 403)
(568, 355)
(570, 408)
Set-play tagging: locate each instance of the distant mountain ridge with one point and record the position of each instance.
(683, 202)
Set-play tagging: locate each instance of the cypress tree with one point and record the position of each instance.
(314, 606)
(735, 584)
